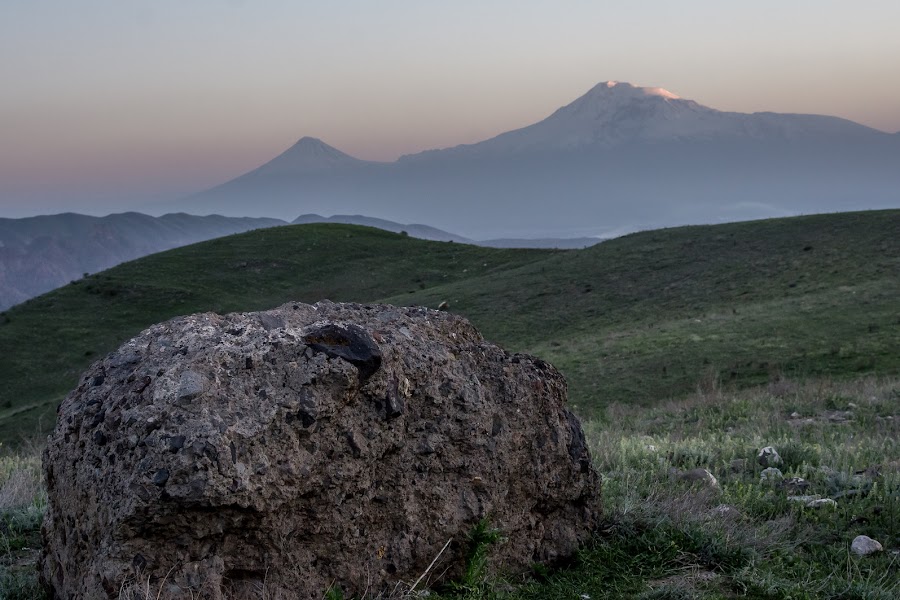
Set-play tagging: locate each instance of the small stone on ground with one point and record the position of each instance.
(863, 545)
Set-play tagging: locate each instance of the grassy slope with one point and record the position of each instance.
(663, 538)
(46, 342)
(702, 303)
(647, 316)
(636, 319)
(666, 539)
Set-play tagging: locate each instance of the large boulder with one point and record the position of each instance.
(278, 453)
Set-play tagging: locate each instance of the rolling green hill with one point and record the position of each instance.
(638, 319)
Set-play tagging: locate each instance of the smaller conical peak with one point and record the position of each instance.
(307, 154)
(308, 142)
(314, 148)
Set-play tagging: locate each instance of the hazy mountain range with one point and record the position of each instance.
(619, 158)
(427, 232)
(38, 254)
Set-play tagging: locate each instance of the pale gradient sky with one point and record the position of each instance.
(107, 104)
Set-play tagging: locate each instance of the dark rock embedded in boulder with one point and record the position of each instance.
(350, 342)
(288, 450)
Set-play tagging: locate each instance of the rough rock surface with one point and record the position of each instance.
(699, 475)
(863, 545)
(279, 452)
(768, 457)
(771, 476)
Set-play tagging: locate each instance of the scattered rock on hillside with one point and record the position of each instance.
(822, 503)
(770, 476)
(804, 498)
(793, 485)
(839, 416)
(832, 417)
(768, 457)
(813, 501)
(699, 475)
(863, 545)
(801, 422)
(291, 449)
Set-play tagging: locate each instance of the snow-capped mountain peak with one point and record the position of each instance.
(610, 113)
(613, 113)
(625, 89)
(618, 156)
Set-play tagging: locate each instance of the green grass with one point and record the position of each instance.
(47, 342)
(635, 319)
(688, 347)
(642, 317)
(664, 538)
(22, 502)
(770, 547)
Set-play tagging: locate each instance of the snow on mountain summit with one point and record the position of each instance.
(610, 113)
(613, 113)
(624, 89)
(618, 156)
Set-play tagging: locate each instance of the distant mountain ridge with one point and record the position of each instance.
(614, 113)
(424, 232)
(618, 157)
(38, 254)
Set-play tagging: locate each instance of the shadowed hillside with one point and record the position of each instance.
(38, 254)
(653, 314)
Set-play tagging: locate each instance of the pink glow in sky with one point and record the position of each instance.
(107, 105)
